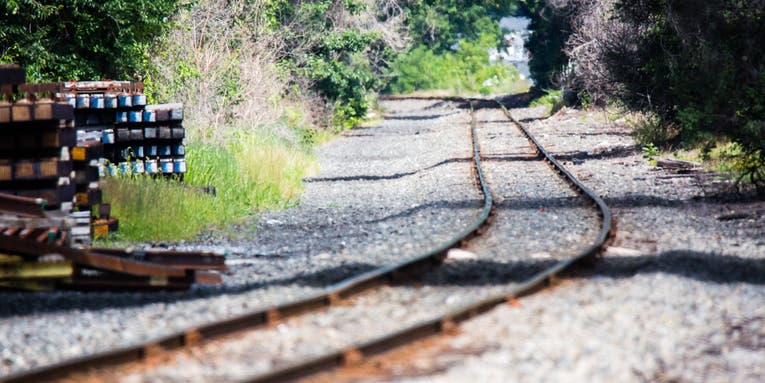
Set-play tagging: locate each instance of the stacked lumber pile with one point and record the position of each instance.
(34, 255)
(56, 141)
(36, 135)
(136, 138)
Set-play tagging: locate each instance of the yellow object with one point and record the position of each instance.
(34, 270)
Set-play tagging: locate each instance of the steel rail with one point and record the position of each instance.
(354, 354)
(259, 318)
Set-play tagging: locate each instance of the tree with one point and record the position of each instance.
(81, 39)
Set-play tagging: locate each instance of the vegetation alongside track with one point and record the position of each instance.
(694, 67)
(279, 74)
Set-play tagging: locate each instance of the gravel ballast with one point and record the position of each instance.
(678, 297)
(485, 269)
(385, 193)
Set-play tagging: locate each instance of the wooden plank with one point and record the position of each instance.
(20, 206)
(36, 270)
(88, 258)
(27, 285)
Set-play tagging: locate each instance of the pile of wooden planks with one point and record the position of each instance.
(34, 255)
(137, 138)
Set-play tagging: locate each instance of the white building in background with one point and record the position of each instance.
(516, 32)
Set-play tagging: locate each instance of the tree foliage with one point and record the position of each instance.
(696, 64)
(81, 39)
(550, 28)
(439, 24)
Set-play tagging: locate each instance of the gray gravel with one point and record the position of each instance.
(385, 193)
(678, 297)
(536, 214)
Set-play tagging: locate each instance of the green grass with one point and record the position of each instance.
(553, 100)
(467, 71)
(250, 172)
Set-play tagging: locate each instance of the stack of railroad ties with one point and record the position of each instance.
(56, 140)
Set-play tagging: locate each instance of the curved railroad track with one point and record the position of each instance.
(339, 294)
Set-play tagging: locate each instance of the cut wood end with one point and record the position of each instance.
(460, 255)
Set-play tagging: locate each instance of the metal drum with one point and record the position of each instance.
(152, 167)
(179, 150)
(83, 101)
(108, 136)
(149, 116)
(97, 101)
(112, 170)
(110, 101)
(166, 165)
(135, 116)
(125, 167)
(138, 151)
(179, 165)
(121, 117)
(124, 100)
(71, 99)
(164, 150)
(151, 150)
(138, 167)
(139, 99)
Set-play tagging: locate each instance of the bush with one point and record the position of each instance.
(60, 40)
(252, 172)
(696, 65)
(465, 71)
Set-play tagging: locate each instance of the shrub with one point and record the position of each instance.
(696, 65)
(62, 40)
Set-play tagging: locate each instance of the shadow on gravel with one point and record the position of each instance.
(23, 303)
(617, 152)
(421, 117)
(388, 176)
(642, 200)
(706, 267)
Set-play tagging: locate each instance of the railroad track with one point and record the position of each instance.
(339, 296)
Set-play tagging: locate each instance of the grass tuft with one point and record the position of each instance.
(249, 172)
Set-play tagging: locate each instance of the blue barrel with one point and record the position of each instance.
(178, 150)
(71, 99)
(138, 151)
(138, 167)
(166, 165)
(179, 165)
(125, 167)
(111, 169)
(83, 101)
(110, 101)
(151, 150)
(152, 167)
(124, 100)
(121, 117)
(108, 136)
(135, 116)
(97, 101)
(139, 99)
(149, 116)
(164, 150)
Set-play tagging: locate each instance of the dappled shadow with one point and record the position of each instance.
(25, 303)
(705, 267)
(417, 117)
(615, 152)
(387, 176)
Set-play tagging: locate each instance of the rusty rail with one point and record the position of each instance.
(330, 296)
(344, 289)
(353, 354)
